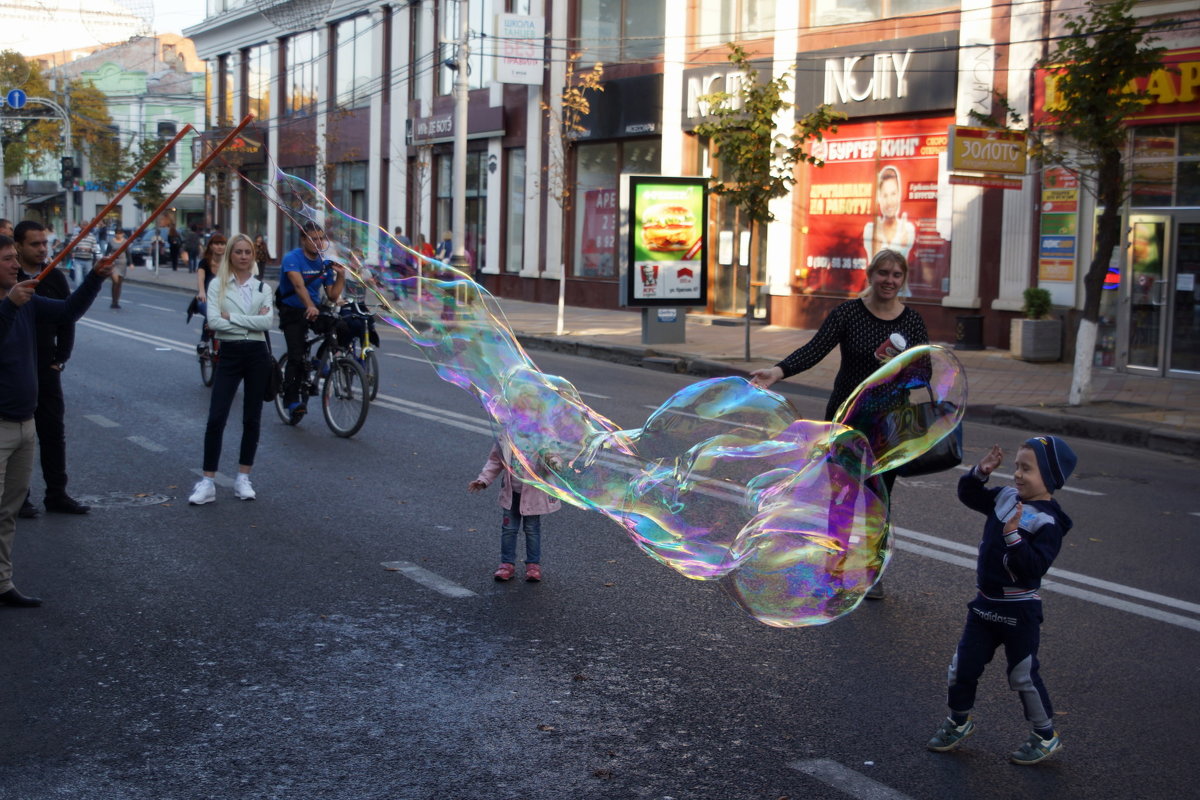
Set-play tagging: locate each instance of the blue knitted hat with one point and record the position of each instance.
(1055, 459)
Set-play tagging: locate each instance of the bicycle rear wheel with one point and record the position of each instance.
(280, 405)
(208, 367)
(345, 397)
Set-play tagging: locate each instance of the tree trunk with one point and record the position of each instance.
(1110, 182)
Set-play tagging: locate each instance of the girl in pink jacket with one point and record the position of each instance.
(521, 503)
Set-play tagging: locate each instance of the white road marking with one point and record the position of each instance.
(1008, 477)
(142, 441)
(425, 361)
(103, 422)
(846, 780)
(159, 308)
(146, 338)
(430, 580)
(219, 479)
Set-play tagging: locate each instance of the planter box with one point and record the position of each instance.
(1036, 339)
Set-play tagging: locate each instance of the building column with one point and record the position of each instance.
(397, 149)
(779, 242)
(237, 185)
(1017, 242)
(671, 124)
(555, 217)
(976, 63)
(325, 99)
(275, 115)
(375, 146)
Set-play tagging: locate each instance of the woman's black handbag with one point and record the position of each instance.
(274, 383)
(946, 454)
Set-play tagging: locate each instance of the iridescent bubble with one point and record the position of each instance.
(724, 481)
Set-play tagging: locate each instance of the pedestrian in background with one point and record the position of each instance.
(240, 313)
(84, 255)
(858, 328)
(120, 266)
(262, 254)
(214, 252)
(174, 245)
(191, 246)
(1021, 538)
(523, 507)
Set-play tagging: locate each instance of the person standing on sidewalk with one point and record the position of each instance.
(191, 246)
(857, 328)
(55, 341)
(20, 312)
(240, 313)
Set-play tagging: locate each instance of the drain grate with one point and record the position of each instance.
(123, 499)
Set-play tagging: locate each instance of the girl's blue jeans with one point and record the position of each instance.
(508, 534)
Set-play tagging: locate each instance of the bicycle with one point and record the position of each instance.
(334, 375)
(209, 353)
(362, 346)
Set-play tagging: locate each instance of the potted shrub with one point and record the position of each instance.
(1037, 337)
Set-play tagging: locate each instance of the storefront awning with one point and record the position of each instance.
(40, 199)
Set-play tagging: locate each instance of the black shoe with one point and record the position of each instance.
(17, 600)
(28, 510)
(66, 505)
(876, 591)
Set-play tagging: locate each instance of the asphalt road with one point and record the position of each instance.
(342, 637)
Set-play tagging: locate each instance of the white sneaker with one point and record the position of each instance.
(242, 487)
(205, 491)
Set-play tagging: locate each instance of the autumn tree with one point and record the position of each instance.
(758, 159)
(565, 120)
(150, 191)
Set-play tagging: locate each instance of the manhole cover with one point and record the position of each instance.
(116, 499)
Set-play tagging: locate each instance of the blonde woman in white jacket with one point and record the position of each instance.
(241, 311)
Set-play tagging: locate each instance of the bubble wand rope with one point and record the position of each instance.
(217, 148)
(118, 197)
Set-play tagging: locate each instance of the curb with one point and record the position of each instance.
(1160, 439)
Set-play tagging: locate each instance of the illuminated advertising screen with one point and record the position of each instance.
(668, 223)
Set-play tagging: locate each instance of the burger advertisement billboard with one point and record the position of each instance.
(668, 220)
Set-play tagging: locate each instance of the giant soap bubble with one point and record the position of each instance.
(724, 481)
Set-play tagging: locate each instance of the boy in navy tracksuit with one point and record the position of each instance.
(1021, 538)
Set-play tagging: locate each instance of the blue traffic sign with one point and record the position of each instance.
(15, 98)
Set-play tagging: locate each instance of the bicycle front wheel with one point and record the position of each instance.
(345, 397)
(207, 367)
(280, 406)
(370, 365)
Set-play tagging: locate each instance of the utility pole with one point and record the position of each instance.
(461, 86)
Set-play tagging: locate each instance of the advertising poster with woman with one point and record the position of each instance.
(668, 219)
(879, 188)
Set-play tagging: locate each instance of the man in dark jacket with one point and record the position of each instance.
(20, 312)
(55, 340)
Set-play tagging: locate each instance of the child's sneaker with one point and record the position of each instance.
(1035, 749)
(950, 736)
(533, 572)
(203, 492)
(504, 572)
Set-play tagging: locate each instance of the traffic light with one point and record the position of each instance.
(68, 172)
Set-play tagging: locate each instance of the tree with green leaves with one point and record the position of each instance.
(1090, 96)
(758, 159)
(150, 191)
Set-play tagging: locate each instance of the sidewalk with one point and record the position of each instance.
(1161, 414)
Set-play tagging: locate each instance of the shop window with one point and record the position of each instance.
(1166, 165)
(258, 82)
(595, 201)
(621, 30)
(475, 237)
(841, 12)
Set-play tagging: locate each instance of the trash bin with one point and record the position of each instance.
(968, 332)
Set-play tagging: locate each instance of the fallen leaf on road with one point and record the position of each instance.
(605, 774)
(472, 530)
(579, 676)
(544, 727)
(610, 584)
(1094, 539)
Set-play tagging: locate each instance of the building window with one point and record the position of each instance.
(225, 107)
(479, 71)
(1166, 165)
(352, 65)
(212, 81)
(621, 30)
(841, 12)
(258, 82)
(723, 20)
(347, 189)
(598, 168)
(303, 53)
(514, 229)
(476, 197)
